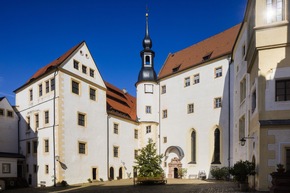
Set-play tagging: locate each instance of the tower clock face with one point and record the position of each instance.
(148, 88)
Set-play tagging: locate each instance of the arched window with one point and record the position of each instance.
(147, 60)
(193, 147)
(216, 154)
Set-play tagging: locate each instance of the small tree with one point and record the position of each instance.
(149, 162)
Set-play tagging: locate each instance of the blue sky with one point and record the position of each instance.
(35, 32)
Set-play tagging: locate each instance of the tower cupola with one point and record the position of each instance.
(147, 72)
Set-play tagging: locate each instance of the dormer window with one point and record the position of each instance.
(176, 68)
(207, 56)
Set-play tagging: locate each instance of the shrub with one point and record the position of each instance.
(242, 169)
(220, 173)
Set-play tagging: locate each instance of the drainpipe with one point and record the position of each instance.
(53, 129)
(229, 113)
(108, 152)
(159, 121)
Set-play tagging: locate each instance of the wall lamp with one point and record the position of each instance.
(244, 139)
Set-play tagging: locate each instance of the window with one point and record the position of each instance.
(218, 72)
(36, 116)
(164, 114)
(254, 102)
(148, 129)
(82, 148)
(116, 151)
(6, 168)
(135, 153)
(81, 119)
(136, 134)
(40, 90)
(216, 154)
(242, 90)
(186, 81)
(163, 89)
(164, 139)
(193, 147)
(28, 123)
(75, 87)
(242, 125)
(190, 108)
(46, 169)
(92, 94)
(34, 168)
(147, 61)
(76, 64)
(275, 10)
(283, 90)
(1, 112)
(84, 69)
(116, 128)
(46, 117)
(148, 109)
(52, 84)
(34, 146)
(47, 86)
(46, 145)
(148, 88)
(196, 79)
(28, 151)
(9, 113)
(218, 102)
(30, 94)
(244, 50)
(92, 73)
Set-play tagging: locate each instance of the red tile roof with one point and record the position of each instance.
(120, 103)
(50, 66)
(212, 48)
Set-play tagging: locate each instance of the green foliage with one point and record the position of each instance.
(182, 172)
(220, 173)
(148, 161)
(242, 169)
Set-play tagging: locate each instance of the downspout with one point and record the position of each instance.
(159, 121)
(229, 113)
(108, 152)
(53, 129)
(18, 132)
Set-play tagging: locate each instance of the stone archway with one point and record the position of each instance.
(173, 167)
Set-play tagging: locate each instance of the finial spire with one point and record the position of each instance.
(147, 42)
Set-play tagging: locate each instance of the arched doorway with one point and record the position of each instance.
(121, 173)
(175, 172)
(173, 168)
(111, 173)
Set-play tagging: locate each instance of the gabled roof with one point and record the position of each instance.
(120, 103)
(209, 49)
(51, 65)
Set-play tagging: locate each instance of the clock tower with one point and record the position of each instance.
(148, 92)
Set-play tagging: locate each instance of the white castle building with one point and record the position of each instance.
(203, 105)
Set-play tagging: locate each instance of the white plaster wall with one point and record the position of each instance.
(177, 127)
(8, 129)
(125, 140)
(240, 108)
(147, 99)
(94, 134)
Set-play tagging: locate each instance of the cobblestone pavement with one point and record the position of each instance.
(126, 186)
